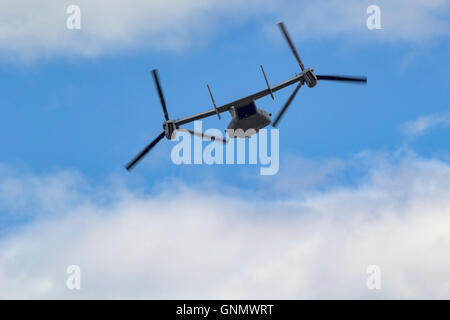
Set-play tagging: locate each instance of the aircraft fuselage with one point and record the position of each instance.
(249, 119)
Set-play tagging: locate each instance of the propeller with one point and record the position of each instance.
(291, 44)
(308, 77)
(297, 57)
(147, 149)
(160, 93)
(286, 105)
(362, 80)
(152, 144)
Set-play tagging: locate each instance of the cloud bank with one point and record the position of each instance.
(183, 243)
(31, 29)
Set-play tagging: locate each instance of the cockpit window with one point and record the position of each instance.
(246, 111)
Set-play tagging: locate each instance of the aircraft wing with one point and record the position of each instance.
(240, 102)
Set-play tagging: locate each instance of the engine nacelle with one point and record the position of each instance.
(169, 129)
(310, 78)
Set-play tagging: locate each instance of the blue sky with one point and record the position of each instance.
(66, 109)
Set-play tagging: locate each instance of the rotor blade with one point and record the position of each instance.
(291, 44)
(202, 135)
(160, 93)
(362, 80)
(288, 102)
(138, 158)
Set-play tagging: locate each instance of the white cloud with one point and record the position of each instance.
(412, 21)
(425, 123)
(33, 29)
(183, 243)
